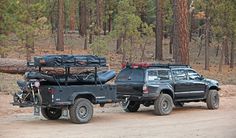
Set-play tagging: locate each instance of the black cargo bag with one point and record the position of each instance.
(69, 61)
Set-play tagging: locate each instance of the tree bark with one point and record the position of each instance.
(100, 11)
(175, 38)
(83, 18)
(73, 9)
(118, 45)
(110, 23)
(207, 29)
(159, 30)
(232, 52)
(15, 66)
(222, 54)
(226, 50)
(182, 31)
(171, 39)
(60, 27)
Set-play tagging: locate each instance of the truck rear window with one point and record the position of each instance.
(131, 75)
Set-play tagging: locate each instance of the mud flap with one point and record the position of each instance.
(37, 110)
(65, 112)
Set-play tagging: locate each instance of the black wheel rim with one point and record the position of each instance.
(215, 100)
(165, 106)
(82, 112)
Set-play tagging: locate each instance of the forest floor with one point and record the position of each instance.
(193, 120)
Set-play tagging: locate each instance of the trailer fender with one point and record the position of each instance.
(87, 95)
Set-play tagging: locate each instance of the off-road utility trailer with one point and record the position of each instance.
(71, 93)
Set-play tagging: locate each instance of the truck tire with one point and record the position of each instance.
(51, 113)
(213, 99)
(133, 106)
(81, 112)
(179, 104)
(163, 105)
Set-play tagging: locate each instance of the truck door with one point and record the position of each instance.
(197, 86)
(181, 84)
(187, 84)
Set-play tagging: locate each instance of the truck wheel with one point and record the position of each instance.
(81, 112)
(213, 99)
(179, 104)
(163, 105)
(132, 106)
(51, 113)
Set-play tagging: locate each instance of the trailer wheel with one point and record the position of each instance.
(81, 112)
(51, 113)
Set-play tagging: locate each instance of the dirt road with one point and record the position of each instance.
(194, 120)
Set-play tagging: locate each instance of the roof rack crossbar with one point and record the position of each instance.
(168, 65)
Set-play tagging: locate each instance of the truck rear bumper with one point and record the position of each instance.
(144, 97)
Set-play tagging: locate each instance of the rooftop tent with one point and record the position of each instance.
(69, 61)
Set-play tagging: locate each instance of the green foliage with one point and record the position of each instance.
(26, 19)
(100, 46)
(222, 15)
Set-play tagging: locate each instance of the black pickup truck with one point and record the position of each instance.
(75, 92)
(164, 85)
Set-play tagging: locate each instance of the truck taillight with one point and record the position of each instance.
(145, 89)
(51, 91)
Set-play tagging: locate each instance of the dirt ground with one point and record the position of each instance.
(193, 120)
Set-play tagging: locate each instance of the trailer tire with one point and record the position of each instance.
(51, 113)
(81, 111)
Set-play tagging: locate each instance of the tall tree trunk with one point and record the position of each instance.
(29, 44)
(226, 50)
(175, 45)
(100, 11)
(207, 29)
(191, 19)
(159, 29)
(171, 39)
(118, 45)
(222, 54)
(28, 48)
(73, 9)
(232, 51)
(182, 32)
(110, 23)
(82, 17)
(60, 27)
